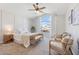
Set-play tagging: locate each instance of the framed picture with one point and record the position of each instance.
(71, 17)
(74, 16)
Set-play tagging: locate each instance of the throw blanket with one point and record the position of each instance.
(22, 39)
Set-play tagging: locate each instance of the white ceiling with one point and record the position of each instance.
(58, 8)
(22, 8)
(51, 8)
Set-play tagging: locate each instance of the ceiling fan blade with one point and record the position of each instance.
(42, 8)
(41, 11)
(34, 6)
(31, 9)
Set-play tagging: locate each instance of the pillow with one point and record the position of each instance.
(58, 37)
(65, 34)
(64, 40)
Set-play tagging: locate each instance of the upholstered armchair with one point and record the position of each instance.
(61, 45)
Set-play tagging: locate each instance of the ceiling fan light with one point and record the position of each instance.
(37, 3)
(37, 12)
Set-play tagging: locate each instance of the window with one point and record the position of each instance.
(45, 22)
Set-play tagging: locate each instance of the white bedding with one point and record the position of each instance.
(22, 39)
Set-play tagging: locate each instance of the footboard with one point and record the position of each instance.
(35, 38)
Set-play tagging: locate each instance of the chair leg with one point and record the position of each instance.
(49, 51)
(70, 51)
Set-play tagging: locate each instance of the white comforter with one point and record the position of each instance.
(22, 39)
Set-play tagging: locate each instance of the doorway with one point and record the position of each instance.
(45, 25)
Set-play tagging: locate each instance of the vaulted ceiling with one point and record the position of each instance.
(51, 8)
(22, 8)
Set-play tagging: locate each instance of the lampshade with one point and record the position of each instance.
(8, 29)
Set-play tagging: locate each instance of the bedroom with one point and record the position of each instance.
(16, 22)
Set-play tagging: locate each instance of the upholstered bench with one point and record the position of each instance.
(35, 38)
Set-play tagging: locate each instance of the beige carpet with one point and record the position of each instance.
(16, 49)
(40, 48)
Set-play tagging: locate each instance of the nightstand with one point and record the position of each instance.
(7, 38)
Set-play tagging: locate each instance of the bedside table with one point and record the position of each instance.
(7, 38)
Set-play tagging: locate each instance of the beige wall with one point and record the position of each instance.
(11, 15)
(59, 24)
(73, 29)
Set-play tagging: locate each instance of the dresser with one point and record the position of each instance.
(7, 38)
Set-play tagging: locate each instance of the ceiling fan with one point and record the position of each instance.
(37, 8)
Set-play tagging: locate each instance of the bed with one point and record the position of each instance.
(27, 38)
(22, 39)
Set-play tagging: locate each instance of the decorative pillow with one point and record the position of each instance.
(64, 40)
(38, 37)
(65, 34)
(58, 37)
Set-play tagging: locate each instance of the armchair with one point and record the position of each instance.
(62, 44)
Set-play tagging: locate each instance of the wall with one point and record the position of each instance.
(10, 15)
(36, 23)
(7, 19)
(0, 21)
(58, 24)
(14, 15)
(21, 23)
(73, 29)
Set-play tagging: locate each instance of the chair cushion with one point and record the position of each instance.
(57, 44)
